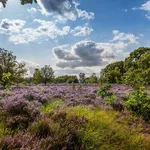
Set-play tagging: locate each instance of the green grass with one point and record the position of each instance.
(54, 104)
(103, 131)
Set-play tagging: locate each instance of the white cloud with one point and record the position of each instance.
(82, 54)
(85, 15)
(32, 10)
(64, 10)
(45, 30)
(81, 31)
(30, 66)
(1, 6)
(11, 26)
(121, 36)
(18, 35)
(91, 54)
(145, 7)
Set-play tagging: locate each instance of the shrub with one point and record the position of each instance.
(41, 128)
(103, 91)
(139, 103)
(18, 112)
(114, 102)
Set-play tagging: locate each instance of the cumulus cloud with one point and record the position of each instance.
(121, 36)
(81, 31)
(82, 54)
(91, 54)
(145, 7)
(30, 66)
(46, 29)
(64, 10)
(32, 10)
(11, 26)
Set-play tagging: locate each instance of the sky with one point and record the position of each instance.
(74, 36)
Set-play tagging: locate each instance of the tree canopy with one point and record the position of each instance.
(11, 71)
(134, 70)
(4, 2)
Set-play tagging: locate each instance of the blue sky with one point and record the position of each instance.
(74, 36)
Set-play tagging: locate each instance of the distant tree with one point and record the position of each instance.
(37, 77)
(4, 2)
(93, 79)
(47, 74)
(66, 79)
(28, 80)
(11, 71)
(82, 78)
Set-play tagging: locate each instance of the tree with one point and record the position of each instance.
(37, 77)
(4, 2)
(10, 68)
(47, 74)
(134, 70)
(112, 73)
(82, 78)
(93, 79)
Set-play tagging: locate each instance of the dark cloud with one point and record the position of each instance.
(85, 54)
(63, 10)
(63, 54)
(59, 6)
(5, 25)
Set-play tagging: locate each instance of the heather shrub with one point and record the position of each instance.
(114, 102)
(56, 130)
(18, 112)
(69, 130)
(139, 103)
(41, 128)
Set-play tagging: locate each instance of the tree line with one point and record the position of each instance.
(13, 73)
(134, 70)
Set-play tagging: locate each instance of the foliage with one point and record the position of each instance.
(60, 127)
(103, 91)
(82, 78)
(139, 103)
(44, 75)
(37, 77)
(112, 73)
(93, 79)
(10, 70)
(18, 112)
(134, 70)
(104, 132)
(4, 2)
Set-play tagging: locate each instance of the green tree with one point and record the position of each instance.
(47, 74)
(112, 73)
(82, 78)
(9, 65)
(4, 2)
(37, 77)
(93, 79)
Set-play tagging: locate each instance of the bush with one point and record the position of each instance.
(18, 112)
(139, 103)
(103, 91)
